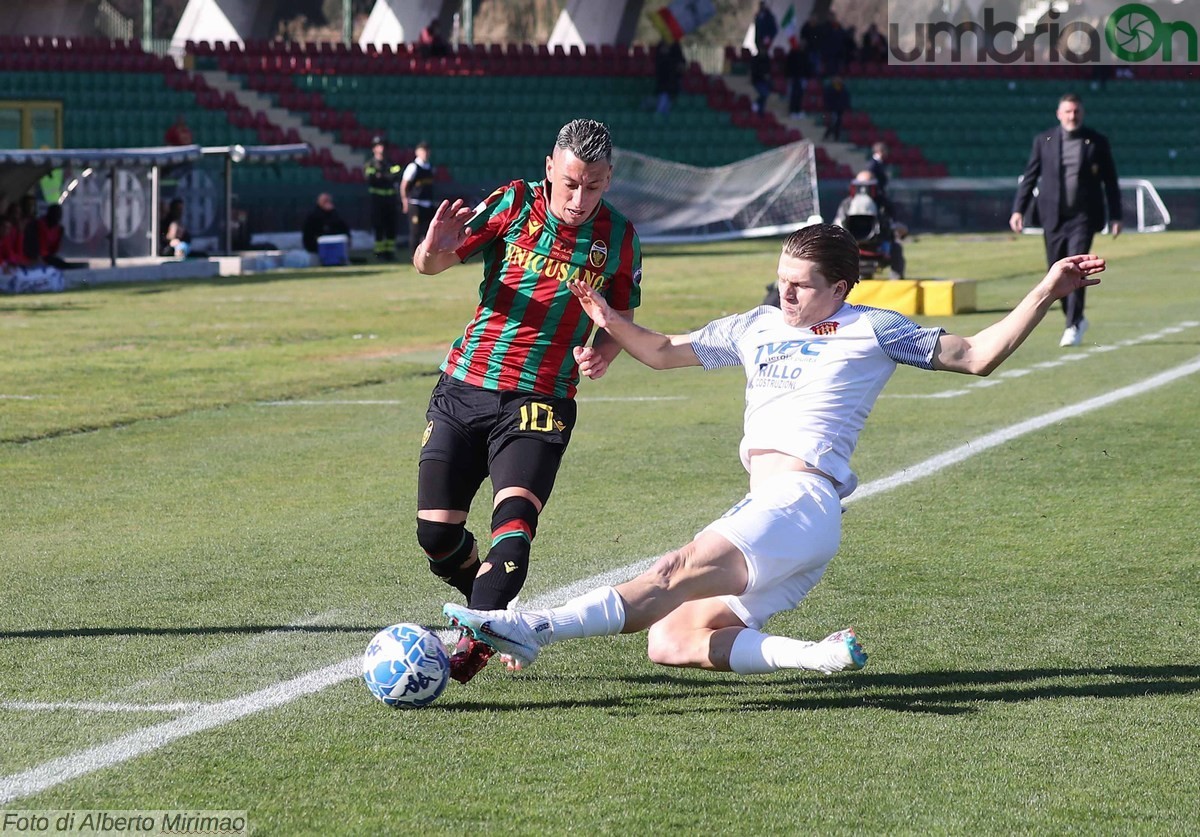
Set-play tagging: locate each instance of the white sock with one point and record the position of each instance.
(758, 653)
(597, 613)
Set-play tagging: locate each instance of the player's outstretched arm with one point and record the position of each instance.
(981, 354)
(656, 350)
(447, 231)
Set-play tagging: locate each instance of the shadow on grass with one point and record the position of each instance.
(196, 630)
(934, 693)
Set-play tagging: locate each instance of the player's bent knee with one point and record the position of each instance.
(668, 569)
(447, 545)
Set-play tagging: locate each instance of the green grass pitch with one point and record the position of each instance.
(207, 489)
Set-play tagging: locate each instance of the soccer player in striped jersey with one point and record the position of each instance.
(504, 405)
(814, 368)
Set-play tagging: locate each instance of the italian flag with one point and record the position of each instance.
(788, 28)
(682, 16)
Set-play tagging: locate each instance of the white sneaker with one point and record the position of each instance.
(1070, 337)
(515, 633)
(840, 652)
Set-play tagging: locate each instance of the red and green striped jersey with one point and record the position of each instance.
(528, 322)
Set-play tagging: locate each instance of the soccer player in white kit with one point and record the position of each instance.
(814, 368)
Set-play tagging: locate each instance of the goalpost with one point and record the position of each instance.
(772, 193)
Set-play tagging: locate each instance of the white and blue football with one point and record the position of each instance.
(406, 666)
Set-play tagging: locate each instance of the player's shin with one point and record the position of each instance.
(600, 612)
(503, 574)
(450, 549)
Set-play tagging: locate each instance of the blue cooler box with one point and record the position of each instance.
(333, 249)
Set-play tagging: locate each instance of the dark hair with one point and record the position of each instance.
(1070, 97)
(587, 139)
(54, 213)
(830, 247)
(420, 145)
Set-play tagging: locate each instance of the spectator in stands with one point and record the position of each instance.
(179, 133)
(381, 177)
(812, 33)
(837, 102)
(431, 42)
(669, 65)
(416, 195)
(760, 75)
(874, 48)
(833, 47)
(1073, 170)
(797, 67)
(766, 27)
(177, 241)
(851, 37)
(323, 220)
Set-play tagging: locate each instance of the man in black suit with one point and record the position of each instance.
(1074, 170)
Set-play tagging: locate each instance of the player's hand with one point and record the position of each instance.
(1074, 272)
(591, 362)
(1115, 228)
(1016, 222)
(448, 229)
(594, 305)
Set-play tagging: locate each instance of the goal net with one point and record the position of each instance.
(772, 193)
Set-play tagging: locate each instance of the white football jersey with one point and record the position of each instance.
(810, 390)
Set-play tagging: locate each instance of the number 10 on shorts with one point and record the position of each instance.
(537, 416)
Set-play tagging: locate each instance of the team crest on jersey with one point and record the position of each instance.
(825, 328)
(598, 254)
(428, 432)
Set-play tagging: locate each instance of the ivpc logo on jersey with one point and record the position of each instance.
(1107, 32)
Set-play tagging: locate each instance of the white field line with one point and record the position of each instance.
(19, 397)
(1061, 360)
(57, 771)
(331, 403)
(396, 402)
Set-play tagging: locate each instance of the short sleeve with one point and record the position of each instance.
(716, 344)
(410, 172)
(903, 340)
(624, 291)
(490, 219)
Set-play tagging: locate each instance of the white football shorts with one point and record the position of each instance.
(788, 530)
